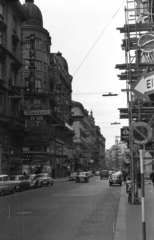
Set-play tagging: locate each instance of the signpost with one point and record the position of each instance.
(141, 133)
(144, 87)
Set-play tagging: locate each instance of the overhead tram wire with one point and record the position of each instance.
(98, 38)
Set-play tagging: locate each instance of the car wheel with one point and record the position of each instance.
(28, 187)
(51, 183)
(110, 184)
(21, 188)
(47, 184)
(13, 191)
(2, 193)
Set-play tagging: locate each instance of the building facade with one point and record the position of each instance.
(12, 14)
(89, 144)
(46, 85)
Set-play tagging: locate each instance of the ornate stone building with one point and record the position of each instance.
(12, 14)
(88, 142)
(46, 88)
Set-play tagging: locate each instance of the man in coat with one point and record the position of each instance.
(152, 177)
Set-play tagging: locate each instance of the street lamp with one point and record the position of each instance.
(110, 94)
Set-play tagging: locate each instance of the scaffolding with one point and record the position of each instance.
(138, 44)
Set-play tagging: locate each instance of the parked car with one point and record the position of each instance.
(45, 179)
(104, 174)
(21, 182)
(97, 173)
(90, 173)
(33, 180)
(73, 176)
(6, 185)
(115, 178)
(82, 177)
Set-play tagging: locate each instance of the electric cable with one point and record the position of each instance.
(98, 38)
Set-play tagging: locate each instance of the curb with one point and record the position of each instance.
(120, 229)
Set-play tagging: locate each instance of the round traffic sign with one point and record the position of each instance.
(140, 133)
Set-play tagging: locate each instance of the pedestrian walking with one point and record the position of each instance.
(152, 177)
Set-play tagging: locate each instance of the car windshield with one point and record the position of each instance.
(42, 175)
(12, 178)
(82, 173)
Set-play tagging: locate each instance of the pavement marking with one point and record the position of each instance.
(23, 213)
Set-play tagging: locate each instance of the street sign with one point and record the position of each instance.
(144, 87)
(140, 133)
(125, 134)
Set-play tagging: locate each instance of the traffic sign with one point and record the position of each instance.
(140, 133)
(144, 87)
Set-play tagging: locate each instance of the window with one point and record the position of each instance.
(5, 178)
(13, 78)
(1, 11)
(1, 37)
(14, 24)
(37, 83)
(27, 43)
(26, 82)
(45, 67)
(38, 65)
(37, 101)
(26, 64)
(1, 70)
(27, 104)
(37, 43)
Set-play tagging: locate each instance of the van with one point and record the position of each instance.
(103, 174)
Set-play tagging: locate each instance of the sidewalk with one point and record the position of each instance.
(129, 218)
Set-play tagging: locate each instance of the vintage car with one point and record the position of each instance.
(103, 174)
(90, 173)
(72, 176)
(33, 180)
(115, 178)
(82, 177)
(97, 173)
(21, 182)
(45, 179)
(6, 185)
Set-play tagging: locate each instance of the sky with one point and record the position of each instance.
(85, 32)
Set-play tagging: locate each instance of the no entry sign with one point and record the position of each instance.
(140, 133)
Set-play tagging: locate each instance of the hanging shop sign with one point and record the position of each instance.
(140, 133)
(125, 134)
(37, 112)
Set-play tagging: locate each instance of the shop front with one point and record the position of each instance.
(35, 163)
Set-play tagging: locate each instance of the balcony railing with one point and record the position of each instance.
(36, 90)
